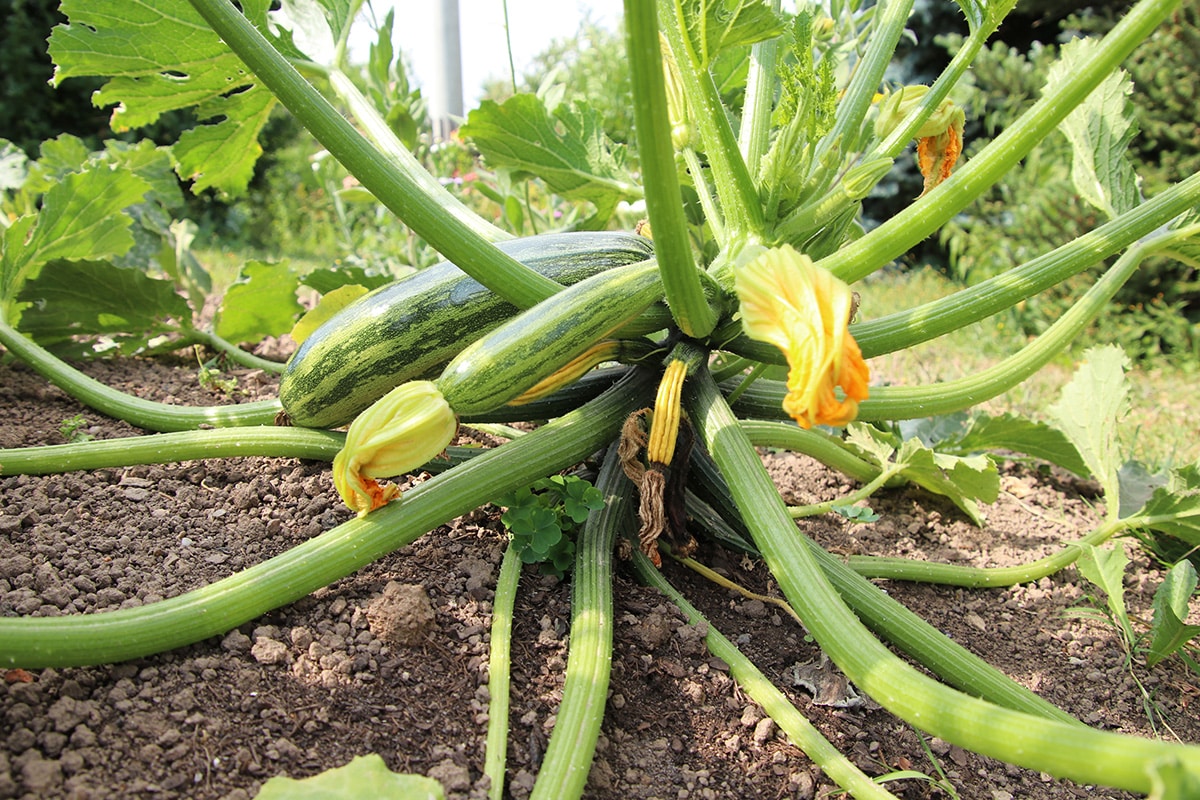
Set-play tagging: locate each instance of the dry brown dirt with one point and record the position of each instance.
(392, 659)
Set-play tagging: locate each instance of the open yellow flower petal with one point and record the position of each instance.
(402, 430)
(804, 310)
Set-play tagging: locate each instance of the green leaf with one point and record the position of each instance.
(364, 776)
(964, 434)
(1100, 130)
(160, 57)
(90, 298)
(261, 303)
(716, 25)
(325, 280)
(568, 149)
(1092, 404)
(81, 217)
(1174, 509)
(1168, 631)
(963, 480)
(1105, 568)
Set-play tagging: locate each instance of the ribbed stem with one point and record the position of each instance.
(921, 219)
(34, 642)
(1060, 749)
(800, 731)
(572, 746)
(500, 671)
(656, 155)
(146, 414)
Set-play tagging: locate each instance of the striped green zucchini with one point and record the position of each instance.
(536, 343)
(412, 327)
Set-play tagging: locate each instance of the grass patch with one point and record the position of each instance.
(1162, 429)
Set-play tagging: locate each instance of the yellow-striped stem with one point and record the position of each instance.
(664, 427)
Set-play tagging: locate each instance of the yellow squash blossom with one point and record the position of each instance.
(402, 430)
(804, 310)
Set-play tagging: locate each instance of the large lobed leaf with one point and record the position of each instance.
(160, 57)
(566, 147)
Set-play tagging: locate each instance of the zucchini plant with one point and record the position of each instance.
(674, 352)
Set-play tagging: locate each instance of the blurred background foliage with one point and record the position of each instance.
(302, 205)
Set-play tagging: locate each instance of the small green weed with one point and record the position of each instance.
(541, 517)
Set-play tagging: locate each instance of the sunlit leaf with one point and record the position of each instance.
(261, 303)
(160, 57)
(81, 217)
(1091, 406)
(330, 304)
(964, 480)
(716, 25)
(568, 148)
(1100, 130)
(364, 776)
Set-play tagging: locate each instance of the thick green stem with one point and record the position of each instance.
(664, 204)
(386, 178)
(847, 132)
(145, 414)
(938, 317)
(907, 328)
(171, 448)
(816, 444)
(899, 138)
(34, 642)
(165, 448)
(237, 354)
(390, 145)
(903, 569)
(881, 613)
(572, 746)
(500, 671)
(735, 188)
(760, 689)
(761, 83)
(930, 212)
(1060, 749)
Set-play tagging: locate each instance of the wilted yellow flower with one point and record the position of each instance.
(939, 139)
(402, 430)
(804, 310)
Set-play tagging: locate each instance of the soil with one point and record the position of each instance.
(392, 659)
